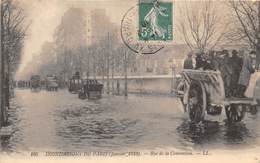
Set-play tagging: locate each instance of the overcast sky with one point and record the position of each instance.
(45, 15)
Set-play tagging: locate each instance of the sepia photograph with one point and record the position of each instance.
(130, 80)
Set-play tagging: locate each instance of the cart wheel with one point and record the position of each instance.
(100, 94)
(253, 110)
(182, 102)
(235, 113)
(82, 95)
(196, 102)
(180, 93)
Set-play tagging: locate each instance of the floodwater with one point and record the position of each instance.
(59, 121)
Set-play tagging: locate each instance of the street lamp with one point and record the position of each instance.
(173, 73)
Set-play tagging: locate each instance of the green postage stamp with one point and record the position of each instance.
(155, 20)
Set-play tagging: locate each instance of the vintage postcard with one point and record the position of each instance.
(130, 80)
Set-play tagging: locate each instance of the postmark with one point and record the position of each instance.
(133, 33)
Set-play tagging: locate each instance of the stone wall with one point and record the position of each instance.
(157, 85)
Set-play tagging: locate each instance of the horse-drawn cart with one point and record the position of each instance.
(51, 83)
(91, 89)
(202, 92)
(35, 83)
(75, 83)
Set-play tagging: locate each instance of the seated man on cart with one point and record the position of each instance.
(236, 63)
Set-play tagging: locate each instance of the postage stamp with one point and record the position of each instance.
(155, 20)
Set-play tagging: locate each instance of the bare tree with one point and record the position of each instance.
(70, 36)
(12, 34)
(200, 25)
(246, 24)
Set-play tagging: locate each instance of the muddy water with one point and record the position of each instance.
(48, 121)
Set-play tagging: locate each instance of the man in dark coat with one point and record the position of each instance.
(226, 71)
(200, 61)
(236, 65)
(188, 63)
(209, 61)
(216, 61)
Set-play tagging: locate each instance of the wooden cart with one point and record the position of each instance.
(51, 83)
(75, 84)
(91, 89)
(35, 83)
(202, 92)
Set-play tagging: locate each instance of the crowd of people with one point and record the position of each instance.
(235, 67)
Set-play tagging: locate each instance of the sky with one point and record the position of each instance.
(45, 15)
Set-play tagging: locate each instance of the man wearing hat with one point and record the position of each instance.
(200, 61)
(226, 71)
(188, 64)
(236, 63)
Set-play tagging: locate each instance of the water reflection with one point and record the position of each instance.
(82, 127)
(198, 133)
(212, 134)
(113, 124)
(236, 133)
(4, 143)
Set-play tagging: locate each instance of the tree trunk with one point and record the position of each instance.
(112, 77)
(94, 68)
(1, 78)
(7, 78)
(258, 40)
(108, 89)
(125, 73)
(257, 55)
(2, 75)
(103, 75)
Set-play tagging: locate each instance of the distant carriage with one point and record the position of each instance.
(51, 83)
(202, 92)
(75, 83)
(35, 82)
(91, 89)
(20, 84)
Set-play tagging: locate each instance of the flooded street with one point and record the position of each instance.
(59, 121)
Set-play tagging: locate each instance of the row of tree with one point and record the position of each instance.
(105, 60)
(204, 25)
(71, 51)
(12, 36)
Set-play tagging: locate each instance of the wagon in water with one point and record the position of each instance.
(91, 89)
(202, 92)
(51, 83)
(35, 83)
(75, 83)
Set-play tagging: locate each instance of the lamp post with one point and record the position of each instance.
(173, 74)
